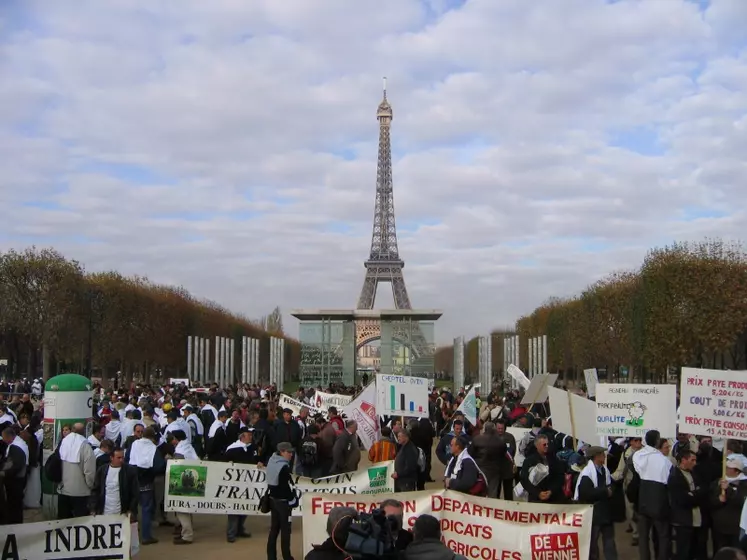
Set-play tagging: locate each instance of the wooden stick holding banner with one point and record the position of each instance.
(573, 421)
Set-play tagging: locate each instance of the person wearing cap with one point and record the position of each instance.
(283, 499)
(727, 496)
(594, 486)
(242, 451)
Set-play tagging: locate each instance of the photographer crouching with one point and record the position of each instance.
(358, 536)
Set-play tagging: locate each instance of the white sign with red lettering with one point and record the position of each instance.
(479, 528)
(713, 402)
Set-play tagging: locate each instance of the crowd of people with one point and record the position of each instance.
(672, 496)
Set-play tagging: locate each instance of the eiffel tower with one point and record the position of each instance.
(384, 263)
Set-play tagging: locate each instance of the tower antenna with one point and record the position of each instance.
(384, 87)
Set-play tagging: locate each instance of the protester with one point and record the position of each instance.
(338, 525)
(115, 488)
(686, 496)
(462, 473)
(13, 472)
(283, 499)
(594, 486)
(346, 453)
(426, 542)
(406, 469)
(244, 452)
(653, 469)
(78, 474)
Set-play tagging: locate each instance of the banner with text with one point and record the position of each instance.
(363, 411)
(713, 403)
(102, 536)
(627, 410)
(479, 528)
(323, 401)
(230, 488)
(284, 401)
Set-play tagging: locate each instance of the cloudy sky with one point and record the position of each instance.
(230, 146)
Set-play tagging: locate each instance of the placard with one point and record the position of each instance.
(474, 527)
(713, 403)
(230, 488)
(626, 410)
(401, 395)
(518, 376)
(584, 416)
(537, 391)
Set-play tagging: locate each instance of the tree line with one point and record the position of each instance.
(686, 305)
(55, 317)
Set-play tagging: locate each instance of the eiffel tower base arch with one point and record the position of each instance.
(330, 340)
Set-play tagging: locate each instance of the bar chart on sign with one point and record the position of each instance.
(404, 404)
(401, 395)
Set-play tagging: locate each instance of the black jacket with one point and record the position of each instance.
(682, 500)
(129, 489)
(553, 481)
(289, 433)
(466, 478)
(244, 456)
(406, 465)
(216, 445)
(326, 551)
(598, 496)
(489, 451)
(726, 515)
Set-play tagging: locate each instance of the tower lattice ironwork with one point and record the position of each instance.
(384, 263)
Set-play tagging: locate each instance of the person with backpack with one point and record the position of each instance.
(407, 467)
(308, 456)
(462, 473)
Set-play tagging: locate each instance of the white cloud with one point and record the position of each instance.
(231, 146)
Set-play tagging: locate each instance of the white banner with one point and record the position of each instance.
(479, 528)
(518, 376)
(323, 401)
(229, 488)
(101, 536)
(284, 401)
(713, 403)
(363, 411)
(627, 410)
(179, 381)
(401, 395)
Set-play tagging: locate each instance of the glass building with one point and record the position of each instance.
(331, 340)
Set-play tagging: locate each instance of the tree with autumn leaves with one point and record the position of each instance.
(685, 306)
(55, 317)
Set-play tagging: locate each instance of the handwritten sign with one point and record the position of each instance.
(713, 403)
(626, 410)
